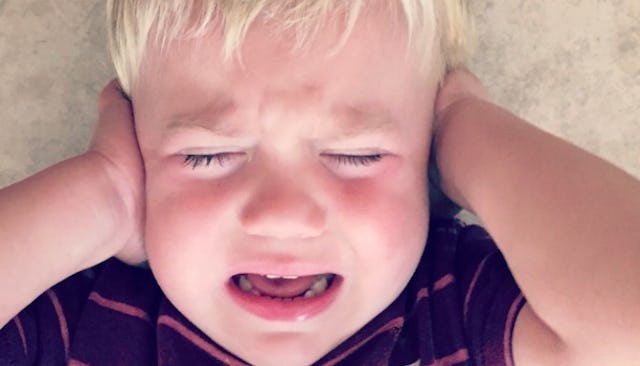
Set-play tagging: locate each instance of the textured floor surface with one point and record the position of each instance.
(570, 67)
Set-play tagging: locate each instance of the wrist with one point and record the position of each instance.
(121, 204)
(440, 205)
(452, 150)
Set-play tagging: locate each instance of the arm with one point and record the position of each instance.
(567, 222)
(72, 215)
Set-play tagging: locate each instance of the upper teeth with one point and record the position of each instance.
(277, 277)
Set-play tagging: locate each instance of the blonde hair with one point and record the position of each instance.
(132, 22)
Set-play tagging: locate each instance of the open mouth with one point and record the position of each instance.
(285, 288)
(285, 298)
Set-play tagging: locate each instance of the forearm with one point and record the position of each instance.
(55, 223)
(567, 222)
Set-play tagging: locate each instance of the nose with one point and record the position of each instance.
(282, 208)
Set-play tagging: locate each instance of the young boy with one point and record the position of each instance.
(278, 176)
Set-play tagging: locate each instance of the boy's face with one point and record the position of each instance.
(297, 164)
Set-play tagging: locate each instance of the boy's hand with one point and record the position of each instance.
(115, 141)
(459, 86)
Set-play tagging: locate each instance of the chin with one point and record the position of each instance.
(284, 350)
(289, 359)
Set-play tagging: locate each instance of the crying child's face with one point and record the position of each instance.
(287, 200)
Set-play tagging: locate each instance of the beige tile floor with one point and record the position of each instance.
(571, 67)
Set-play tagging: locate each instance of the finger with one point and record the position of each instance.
(112, 95)
(464, 81)
(115, 118)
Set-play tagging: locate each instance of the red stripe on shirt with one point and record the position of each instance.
(440, 284)
(392, 324)
(422, 293)
(445, 281)
(119, 307)
(460, 355)
(21, 332)
(62, 321)
(73, 362)
(508, 330)
(467, 297)
(197, 341)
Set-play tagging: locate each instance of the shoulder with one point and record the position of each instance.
(501, 326)
(42, 332)
(64, 322)
(470, 286)
(118, 322)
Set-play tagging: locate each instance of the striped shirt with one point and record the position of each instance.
(458, 309)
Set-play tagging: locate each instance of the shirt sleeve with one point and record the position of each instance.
(42, 332)
(490, 295)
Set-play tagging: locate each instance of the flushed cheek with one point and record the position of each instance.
(187, 229)
(180, 202)
(386, 225)
(388, 212)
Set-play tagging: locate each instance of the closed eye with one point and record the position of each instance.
(220, 160)
(354, 160)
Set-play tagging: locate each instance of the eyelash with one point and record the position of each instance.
(197, 160)
(341, 159)
(355, 160)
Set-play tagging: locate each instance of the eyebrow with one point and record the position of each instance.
(357, 120)
(217, 126)
(347, 121)
(209, 118)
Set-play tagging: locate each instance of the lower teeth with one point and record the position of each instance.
(319, 285)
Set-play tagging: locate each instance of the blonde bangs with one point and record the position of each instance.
(132, 24)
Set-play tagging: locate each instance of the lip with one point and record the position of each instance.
(289, 311)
